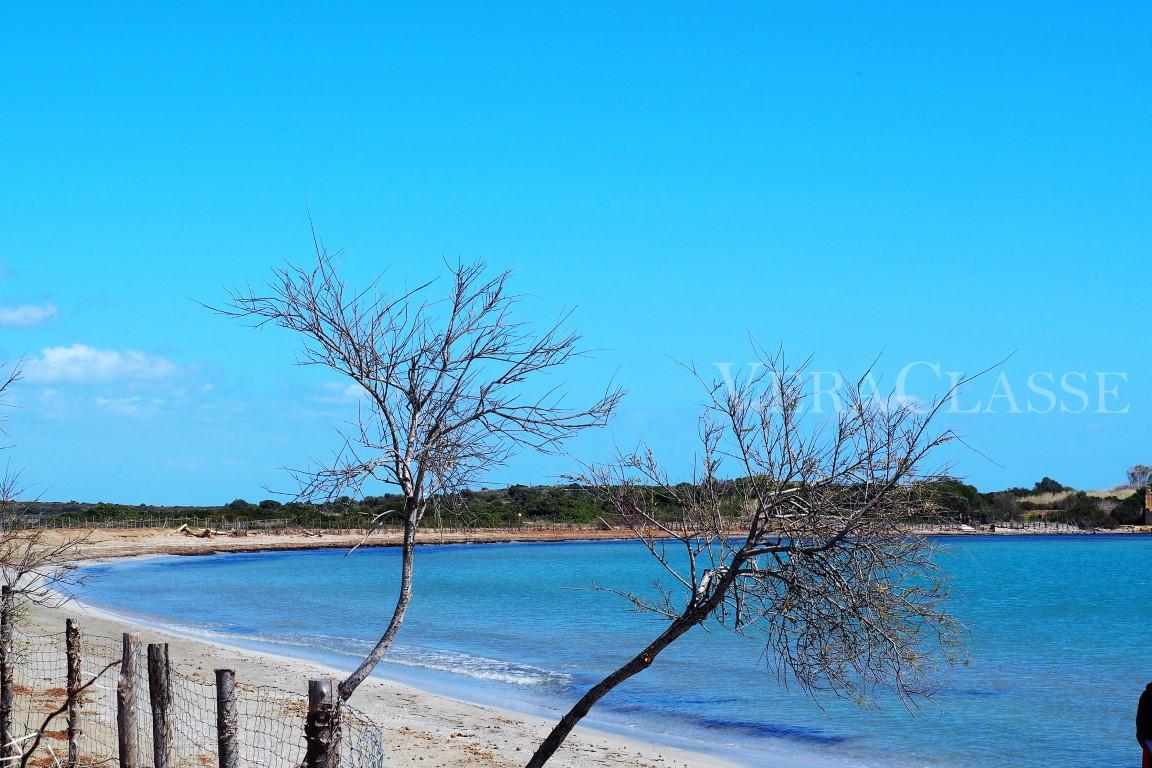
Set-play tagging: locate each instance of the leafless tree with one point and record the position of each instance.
(35, 562)
(802, 544)
(1139, 475)
(453, 386)
(36, 567)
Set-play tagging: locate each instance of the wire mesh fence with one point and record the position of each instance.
(270, 720)
(1029, 526)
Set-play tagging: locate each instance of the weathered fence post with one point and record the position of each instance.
(72, 643)
(7, 696)
(322, 728)
(160, 694)
(126, 702)
(226, 717)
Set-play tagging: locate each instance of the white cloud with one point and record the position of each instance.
(133, 405)
(26, 314)
(340, 393)
(122, 406)
(83, 363)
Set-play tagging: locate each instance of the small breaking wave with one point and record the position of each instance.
(476, 667)
(415, 657)
(420, 657)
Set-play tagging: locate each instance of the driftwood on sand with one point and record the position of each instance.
(206, 533)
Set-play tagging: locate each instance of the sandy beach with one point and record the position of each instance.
(130, 542)
(421, 728)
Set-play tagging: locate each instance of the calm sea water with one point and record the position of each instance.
(1058, 626)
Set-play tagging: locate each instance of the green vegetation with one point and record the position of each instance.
(1047, 500)
(508, 507)
(520, 505)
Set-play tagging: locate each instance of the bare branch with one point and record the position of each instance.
(38, 735)
(36, 564)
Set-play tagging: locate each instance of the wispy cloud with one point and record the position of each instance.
(132, 405)
(83, 363)
(26, 314)
(333, 392)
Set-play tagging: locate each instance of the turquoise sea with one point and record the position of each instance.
(1058, 631)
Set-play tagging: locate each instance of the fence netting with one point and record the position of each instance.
(270, 720)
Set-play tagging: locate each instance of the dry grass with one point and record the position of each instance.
(1049, 499)
(1121, 492)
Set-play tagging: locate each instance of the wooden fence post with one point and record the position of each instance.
(126, 702)
(160, 694)
(322, 728)
(226, 717)
(72, 643)
(7, 696)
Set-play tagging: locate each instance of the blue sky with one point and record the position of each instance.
(947, 183)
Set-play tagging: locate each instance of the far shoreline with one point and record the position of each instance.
(115, 543)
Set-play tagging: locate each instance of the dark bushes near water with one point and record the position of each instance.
(966, 503)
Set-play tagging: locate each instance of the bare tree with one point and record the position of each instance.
(1139, 475)
(452, 388)
(803, 544)
(35, 563)
(36, 567)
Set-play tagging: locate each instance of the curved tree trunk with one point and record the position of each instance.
(408, 556)
(638, 664)
(695, 613)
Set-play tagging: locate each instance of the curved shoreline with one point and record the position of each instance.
(421, 728)
(429, 727)
(115, 543)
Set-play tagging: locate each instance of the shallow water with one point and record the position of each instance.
(1056, 628)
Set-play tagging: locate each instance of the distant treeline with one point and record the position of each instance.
(497, 508)
(550, 504)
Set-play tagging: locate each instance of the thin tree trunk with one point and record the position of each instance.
(638, 664)
(693, 615)
(408, 554)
